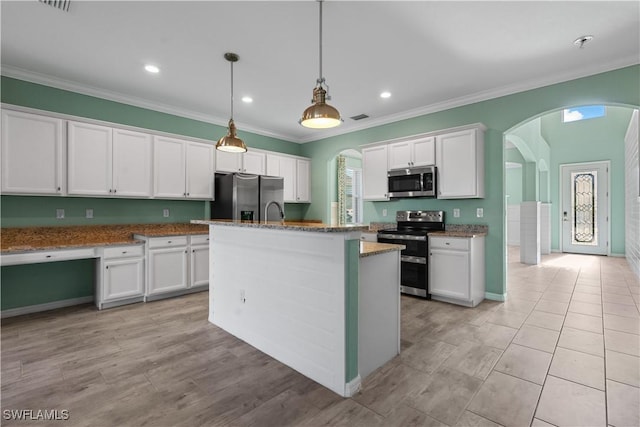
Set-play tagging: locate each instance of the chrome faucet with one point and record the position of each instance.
(266, 210)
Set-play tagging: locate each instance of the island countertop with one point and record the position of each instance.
(374, 248)
(292, 226)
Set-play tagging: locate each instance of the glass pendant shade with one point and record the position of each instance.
(320, 115)
(231, 143)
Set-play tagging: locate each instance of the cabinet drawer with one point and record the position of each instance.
(124, 252)
(200, 240)
(47, 256)
(454, 243)
(163, 242)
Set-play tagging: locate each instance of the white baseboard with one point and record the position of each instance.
(352, 386)
(618, 255)
(495, 297)
(44, 307)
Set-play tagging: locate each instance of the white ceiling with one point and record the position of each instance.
(430, 55)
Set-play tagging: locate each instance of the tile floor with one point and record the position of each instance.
(564, 349)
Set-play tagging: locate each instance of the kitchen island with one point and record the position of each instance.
(293, 291)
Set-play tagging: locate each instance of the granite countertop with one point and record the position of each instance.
(287, 225)
(373, 248)
(26, 239)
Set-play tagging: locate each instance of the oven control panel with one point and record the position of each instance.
(420, 216)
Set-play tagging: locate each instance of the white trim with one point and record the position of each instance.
(45, 307)
(495, 297)
(479, 126)
(353, 386)
(58, 83)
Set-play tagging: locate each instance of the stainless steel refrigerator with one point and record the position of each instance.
(244, 196)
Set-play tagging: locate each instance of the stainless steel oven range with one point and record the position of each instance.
(411, 230)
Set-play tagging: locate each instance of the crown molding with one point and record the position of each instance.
(483, 96)
(55, 82)
(58, 83)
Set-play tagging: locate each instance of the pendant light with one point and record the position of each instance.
(231, 143)
(320, 115)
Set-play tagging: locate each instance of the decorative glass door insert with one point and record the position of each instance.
(584, 206)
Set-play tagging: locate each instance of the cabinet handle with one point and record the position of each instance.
(124, 252)
(114, 191)
(58, 188)
(110, 190)
(107, 267)
(48, 256)
(186, 252)
(169, 241)
(193, 251)
(447, 243)
(188, 194)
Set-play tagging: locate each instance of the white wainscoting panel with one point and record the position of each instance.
(530, 232)
(545, 228)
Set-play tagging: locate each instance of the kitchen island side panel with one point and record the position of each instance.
(283, 292)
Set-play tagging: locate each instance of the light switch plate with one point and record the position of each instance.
(384, 212)
(59, 213)
(165, 213)
(88, 213)
(456, 213)
(479, 212)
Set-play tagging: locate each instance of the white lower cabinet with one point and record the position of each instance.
(122, 276)
(176, 265)
(456, 269)
(199, 261)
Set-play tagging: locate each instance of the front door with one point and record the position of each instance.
(585, 208)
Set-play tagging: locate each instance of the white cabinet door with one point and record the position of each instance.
(273, 164)
(167, 270)
(199, 266)
(89, 159)
(123, 278)
(199, 170)
(374, 173)
(168, 168)
(424, 152)
(449, 274)
(303, 180)
(31, 153)
(228, 162)
(289, 172)
(254, 162)
(132, 163)
(400, 155)
(460, 162)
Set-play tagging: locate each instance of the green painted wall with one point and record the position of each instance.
(513, 178)
(24, 285)
(499, 115)
(42, 283)
(584, 141)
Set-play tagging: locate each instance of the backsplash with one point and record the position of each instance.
(468, 228)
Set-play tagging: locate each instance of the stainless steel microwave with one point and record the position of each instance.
(412, 182)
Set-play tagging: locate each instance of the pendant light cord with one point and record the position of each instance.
(231, 89)
(320, 78)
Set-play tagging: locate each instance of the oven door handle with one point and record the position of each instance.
(402, 237)
(413, 259)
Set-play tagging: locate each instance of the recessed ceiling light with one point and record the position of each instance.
(385, 95)
(152, 68)
(247, 99)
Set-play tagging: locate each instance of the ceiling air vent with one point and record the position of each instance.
(359, 117)
(59, 4)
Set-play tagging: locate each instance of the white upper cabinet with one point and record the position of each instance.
(250, 162)
(103, 161)
(32, 159)
(303, 181)
(228, 162)
(182, 169)
(169, 177)
(132, 157)
(460, 162)
(296, 173)
(89, 159)
(199, 170)
(254, 162)
(374, 173)
(419, 152)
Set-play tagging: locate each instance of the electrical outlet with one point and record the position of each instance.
(88, 213)
(384, 212)
(479, 212)
(456, 213)
(165, 213)
(59, 213)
